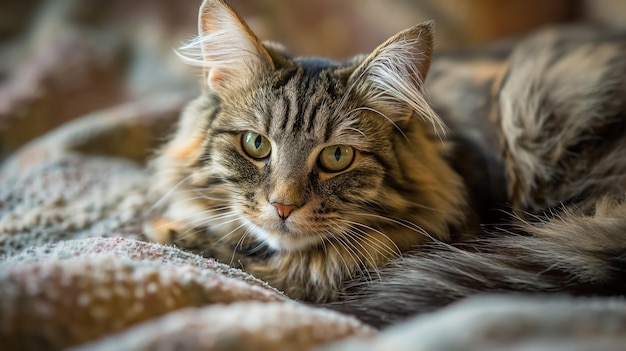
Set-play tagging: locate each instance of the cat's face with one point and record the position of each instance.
(295, 152)
(302, 159)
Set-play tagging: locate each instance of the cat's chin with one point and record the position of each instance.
(284, 241)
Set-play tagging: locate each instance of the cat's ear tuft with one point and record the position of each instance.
(391, 78)
(230, 54)
(410, 50)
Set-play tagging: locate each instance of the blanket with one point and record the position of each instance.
(76, 272)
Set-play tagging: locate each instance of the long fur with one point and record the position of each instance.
(560, 103)
(572, 253)
(219, 199)
(539, 136)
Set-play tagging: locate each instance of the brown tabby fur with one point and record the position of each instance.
(533, 128)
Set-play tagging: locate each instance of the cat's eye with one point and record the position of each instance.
(336, 158)
(255, 145)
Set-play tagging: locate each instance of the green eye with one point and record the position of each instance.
(336, 158)
(255, 145)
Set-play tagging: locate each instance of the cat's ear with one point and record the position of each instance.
(230, 54)
(391, 78)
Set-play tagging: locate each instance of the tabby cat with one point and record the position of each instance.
(338, 183)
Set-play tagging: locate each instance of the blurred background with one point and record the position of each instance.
(60, 59)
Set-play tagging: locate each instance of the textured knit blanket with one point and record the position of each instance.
(75, 271)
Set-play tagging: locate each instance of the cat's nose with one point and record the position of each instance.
(284, 210)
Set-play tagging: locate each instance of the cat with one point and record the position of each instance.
(340, 184)
(305, 171)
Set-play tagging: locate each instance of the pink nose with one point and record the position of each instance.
(284, 210)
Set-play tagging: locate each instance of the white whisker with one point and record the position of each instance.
(351, 250)
(239, 244)
(372, 260)
(376, 231)
(168, 193)
(381, 245)
(233, 231)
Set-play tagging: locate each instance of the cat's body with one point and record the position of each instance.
(337, 181)
(542, 120)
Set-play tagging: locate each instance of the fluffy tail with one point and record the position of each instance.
(570, 253)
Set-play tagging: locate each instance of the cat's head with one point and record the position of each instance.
(306, 149)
